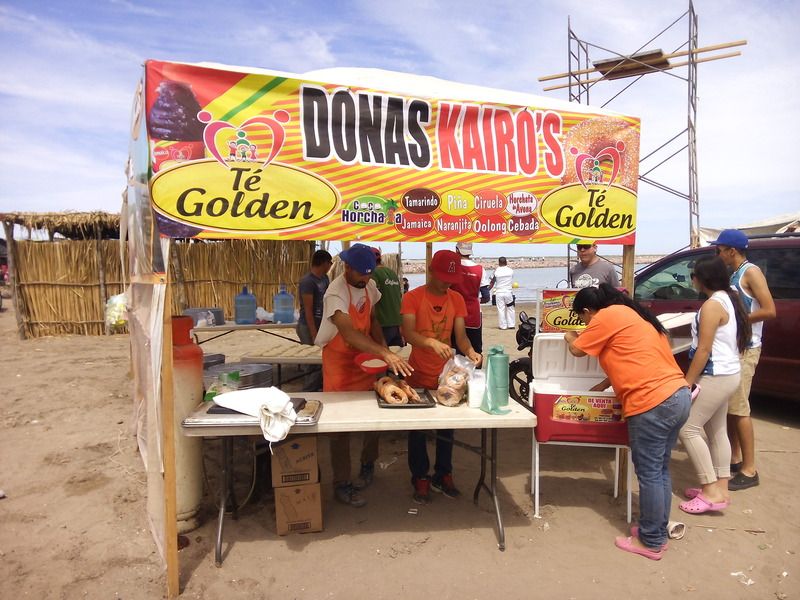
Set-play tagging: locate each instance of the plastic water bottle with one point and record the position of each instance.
(283, 306)
(245, 308)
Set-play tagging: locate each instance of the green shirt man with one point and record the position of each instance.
(388, 308)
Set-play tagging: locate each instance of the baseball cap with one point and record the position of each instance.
(360, 257)
(733, 238)
(446, 266)
(464, 248)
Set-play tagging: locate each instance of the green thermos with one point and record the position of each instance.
(496, 394)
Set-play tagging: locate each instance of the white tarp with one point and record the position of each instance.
(778, 224)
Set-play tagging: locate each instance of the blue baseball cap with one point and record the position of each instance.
(360, 257)
(732, 238)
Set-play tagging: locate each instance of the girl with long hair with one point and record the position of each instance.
(720, 332)
(632, 348)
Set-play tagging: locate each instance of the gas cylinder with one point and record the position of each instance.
(187, 376)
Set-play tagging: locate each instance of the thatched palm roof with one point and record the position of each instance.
(72, 225)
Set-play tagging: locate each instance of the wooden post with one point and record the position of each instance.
(101, 274)
(428, 257)
(168, 446)
(177, 267)
(13, 276)
(628, 265)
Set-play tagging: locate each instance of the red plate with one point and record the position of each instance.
(366, 357)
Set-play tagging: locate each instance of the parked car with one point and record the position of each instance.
(666, 286)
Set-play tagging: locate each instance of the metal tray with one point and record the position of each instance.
(309, 414)
(427, 401)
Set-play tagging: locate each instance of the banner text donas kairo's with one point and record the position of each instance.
(254, 154)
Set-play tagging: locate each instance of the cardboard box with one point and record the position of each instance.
(298, 509)
(294, 461)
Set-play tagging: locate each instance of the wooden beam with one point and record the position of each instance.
(13, 277)
(672, 66)
(428, 257)
(660, 58)
(168, 447)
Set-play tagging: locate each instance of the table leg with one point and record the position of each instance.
(225, 492)
(492, 488)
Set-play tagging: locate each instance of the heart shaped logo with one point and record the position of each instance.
(245, 141)
(592, 173)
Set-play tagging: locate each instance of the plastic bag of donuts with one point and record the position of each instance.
(453, 381)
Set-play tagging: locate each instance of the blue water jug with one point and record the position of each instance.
(283, 306)
(245, 308)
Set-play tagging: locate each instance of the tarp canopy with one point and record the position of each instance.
(778, 224)
(228, 152)
(348, 154)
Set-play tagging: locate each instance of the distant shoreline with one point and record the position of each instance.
(417, 265)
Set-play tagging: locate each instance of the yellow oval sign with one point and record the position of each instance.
(246, 197)
(596, 212)
(563, 318)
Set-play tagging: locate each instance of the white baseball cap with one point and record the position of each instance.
(464, 248)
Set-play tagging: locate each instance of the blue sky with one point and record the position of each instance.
(69, 70)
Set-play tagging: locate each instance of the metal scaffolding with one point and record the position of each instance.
(636, 65)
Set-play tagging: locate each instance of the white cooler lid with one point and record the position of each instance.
(552, 358)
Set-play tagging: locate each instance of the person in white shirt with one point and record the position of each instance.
(502, 282)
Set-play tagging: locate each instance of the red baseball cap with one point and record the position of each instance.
(446, 266)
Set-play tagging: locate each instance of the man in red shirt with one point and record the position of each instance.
(432, 313)
(470, 288)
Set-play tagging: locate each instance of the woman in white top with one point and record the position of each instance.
(720, 332)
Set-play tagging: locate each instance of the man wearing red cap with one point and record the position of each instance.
(432, 313)
(470, 289)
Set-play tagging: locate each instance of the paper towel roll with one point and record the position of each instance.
(477, 386)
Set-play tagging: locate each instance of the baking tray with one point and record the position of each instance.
(427, 401)
(308, 412)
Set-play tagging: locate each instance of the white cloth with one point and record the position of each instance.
(503, 277)
(272, 406)
(336, 298)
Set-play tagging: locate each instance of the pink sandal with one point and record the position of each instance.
(626, 544)
(692, 492)
(699, 504)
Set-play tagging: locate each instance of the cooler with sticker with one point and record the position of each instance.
(566, 410)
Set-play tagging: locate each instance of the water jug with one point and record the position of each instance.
(496, 394)
(283, 306)
(245, 308)
(187, 379)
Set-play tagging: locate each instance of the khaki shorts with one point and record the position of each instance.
(739, 403)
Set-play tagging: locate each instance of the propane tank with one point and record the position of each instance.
(187, 375)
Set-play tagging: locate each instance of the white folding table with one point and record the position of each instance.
(359, 411)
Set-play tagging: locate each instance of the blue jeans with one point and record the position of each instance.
(418, 460)
(652, 436)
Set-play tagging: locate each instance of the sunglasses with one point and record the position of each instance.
(584, 246)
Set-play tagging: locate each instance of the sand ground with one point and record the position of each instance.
(73, 523)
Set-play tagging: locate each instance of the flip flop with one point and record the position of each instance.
(699, 504)
(626, 544)
(692, 492)
(635, 533)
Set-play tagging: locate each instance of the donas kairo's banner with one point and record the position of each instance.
(255, 154)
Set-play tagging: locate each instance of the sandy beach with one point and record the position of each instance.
(73, 521)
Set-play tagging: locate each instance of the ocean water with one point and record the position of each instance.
(531, 281)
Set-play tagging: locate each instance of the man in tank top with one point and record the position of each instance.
(752, 286)
(312, 289)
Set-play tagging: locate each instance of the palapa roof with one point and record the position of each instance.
(71, 225)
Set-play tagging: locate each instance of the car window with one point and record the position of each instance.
(671, 282)
(781, 267)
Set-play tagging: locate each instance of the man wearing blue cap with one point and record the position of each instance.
(757, 299)
(350, 326)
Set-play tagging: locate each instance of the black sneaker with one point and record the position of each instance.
(445, 485)
(740, 481)
(347, 494)
(422, 490)
(365, 477)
